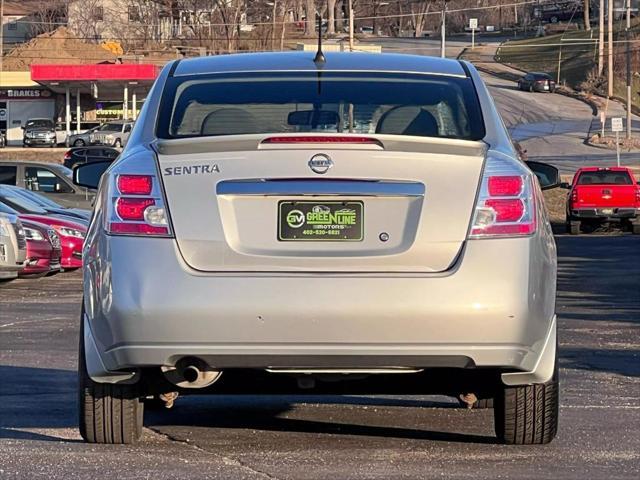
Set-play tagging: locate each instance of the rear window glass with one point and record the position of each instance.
(604, 178)
(110, 127)
(429, 106)
(39, 123)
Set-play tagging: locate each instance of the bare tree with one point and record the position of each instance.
(331, 17)
(587, 19)
(47, 15)
(310, 15)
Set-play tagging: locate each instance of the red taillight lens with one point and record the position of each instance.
(507, 210)
(505, 186)
(322, 139)
(137, 228)
(132, 209)
(135, 184)
(574, 195)
(67, 155)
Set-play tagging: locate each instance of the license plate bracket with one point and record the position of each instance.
(320, 221)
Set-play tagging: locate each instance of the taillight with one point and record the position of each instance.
(135, 201)
(574, 196)
(135, 184)
(506, 204)
(133, 209)
(67, 155)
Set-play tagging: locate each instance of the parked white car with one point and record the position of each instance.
(114, 134)
(13, 246)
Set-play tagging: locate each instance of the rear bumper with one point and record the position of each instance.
(614, 213)
(10, 263)
(145, 307)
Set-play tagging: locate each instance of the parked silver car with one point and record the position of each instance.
(13, 246)
(277, 224)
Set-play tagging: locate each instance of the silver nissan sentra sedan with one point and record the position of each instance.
(359, 224)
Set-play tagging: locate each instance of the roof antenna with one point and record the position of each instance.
(319, 58)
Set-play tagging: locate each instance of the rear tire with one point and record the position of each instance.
(78, 143)
(528, 414)
(108, 413)
(573, 227)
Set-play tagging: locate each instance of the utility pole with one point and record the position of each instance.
(628, 39)
(601, 39)
(610, 49)
(443, 28)
(351, 25)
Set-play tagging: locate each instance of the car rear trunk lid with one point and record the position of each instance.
(407, 202)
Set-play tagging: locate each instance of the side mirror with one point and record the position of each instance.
(88, 175)
(548, 175)
(565, 185)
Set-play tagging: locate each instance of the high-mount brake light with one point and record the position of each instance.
(342, 139)
(506, 205)
(135, 184)
(136, 204)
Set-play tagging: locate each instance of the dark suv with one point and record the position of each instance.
(39, 131)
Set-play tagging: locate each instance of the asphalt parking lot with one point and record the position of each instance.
(269, 437)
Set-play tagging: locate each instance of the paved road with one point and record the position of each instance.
(335, 437)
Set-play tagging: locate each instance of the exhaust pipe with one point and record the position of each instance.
(191, 373)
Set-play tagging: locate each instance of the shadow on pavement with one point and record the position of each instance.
(264, 413)
(599, 278)
(621, 362)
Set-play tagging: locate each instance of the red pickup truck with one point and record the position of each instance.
(603, 195)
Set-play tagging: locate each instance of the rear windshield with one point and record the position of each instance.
(604, 178)
(110, 127)
(419, 105)
(39, 123)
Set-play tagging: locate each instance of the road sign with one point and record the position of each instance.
(616, 124)
(473, 25)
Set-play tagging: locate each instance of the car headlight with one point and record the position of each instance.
(4, 231)
(32, 234)
(51, 134)
(69, 232)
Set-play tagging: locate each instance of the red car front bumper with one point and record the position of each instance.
(41, 258)
(71, 252)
